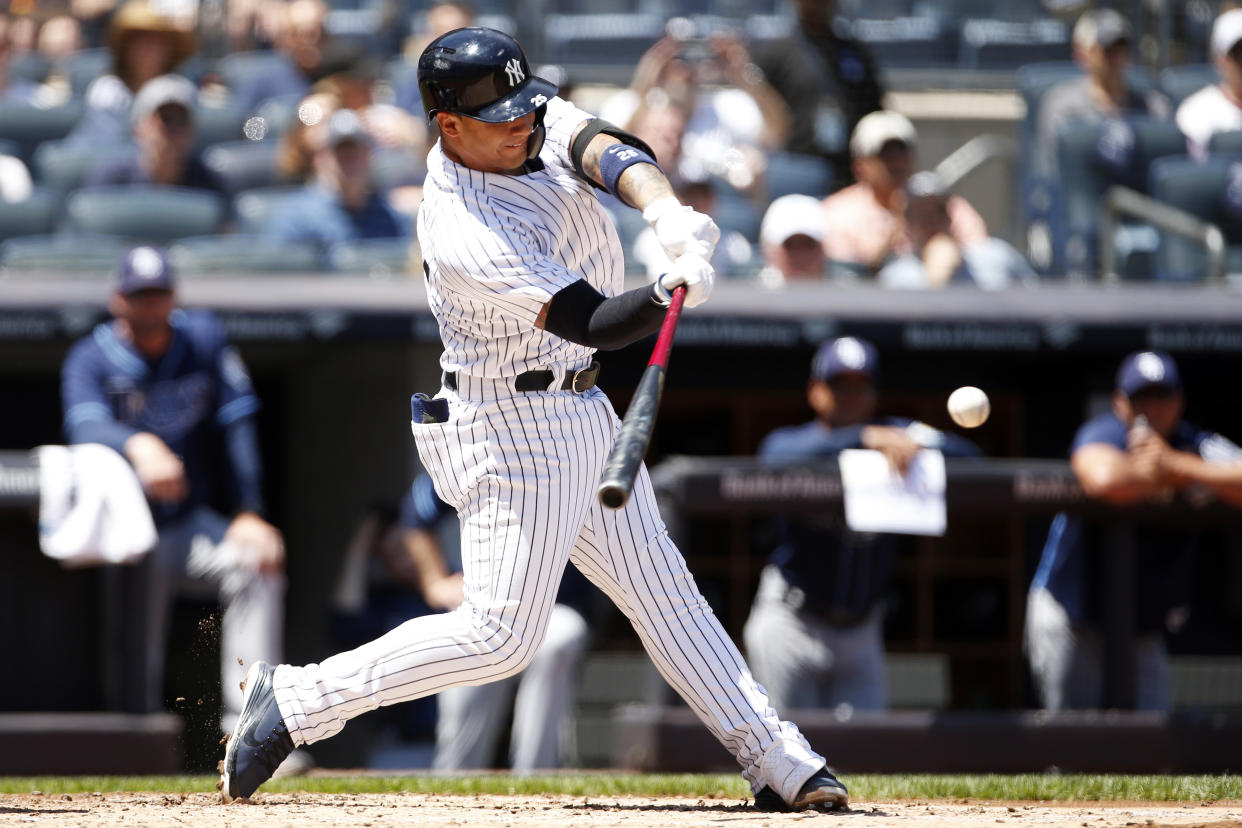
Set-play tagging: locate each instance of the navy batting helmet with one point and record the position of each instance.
(482, 74)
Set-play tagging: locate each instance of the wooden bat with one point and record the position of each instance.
(617, 480)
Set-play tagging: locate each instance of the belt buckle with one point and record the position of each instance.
(584, 378)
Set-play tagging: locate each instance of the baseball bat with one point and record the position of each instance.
(617, 480)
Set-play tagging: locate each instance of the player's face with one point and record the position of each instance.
(486, 147)
(1161, 406)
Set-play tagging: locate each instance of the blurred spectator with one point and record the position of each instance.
(791, 238)
(402, 567)
(12, 89)
(339, 202)
(1101, 39)
(144, 44)
(441, 17)
(60, 37)
(163, 388)
(1218, 107)
(734, 116)
(733, 253)
(826, 78)
(815, 634)
(866, 223)
(1140, 450)
(306, 53)
(936, 259)
(163, 116)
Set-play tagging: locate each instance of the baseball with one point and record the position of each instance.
(969, 406)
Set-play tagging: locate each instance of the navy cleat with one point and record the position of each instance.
(260, 740)
(822, 792)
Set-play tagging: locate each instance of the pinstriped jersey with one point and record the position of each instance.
(497, 247)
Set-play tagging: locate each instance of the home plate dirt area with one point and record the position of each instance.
(310, 810)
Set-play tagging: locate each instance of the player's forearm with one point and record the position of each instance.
(639, 186)
(581, 314)
(1225, 479)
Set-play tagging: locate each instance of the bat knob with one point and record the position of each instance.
(612, 495)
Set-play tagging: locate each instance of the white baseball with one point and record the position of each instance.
(969, 406)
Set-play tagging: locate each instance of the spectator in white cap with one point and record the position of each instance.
(791, 238)
(936, 259)
(163, 127)
(1216, 107)
(865, 223)
(1101, 40)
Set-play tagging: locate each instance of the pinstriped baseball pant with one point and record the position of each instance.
(521, 470)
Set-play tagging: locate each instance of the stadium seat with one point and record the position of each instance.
(152, 214)
(792, 173)
(35, 215)
(1005, 44)
(1198, 188)
(239, 254)
(244, 165)
(30, 66)
(8, 147)
(235, 67)
(273, 118)
(592, 46)
(94, 255)
(911, 42)
(1180, 82)
(217, 124)
(28, 126)
(737, 213)
(1226, 143)
(380, 258)
(84, 66)
(253, 208)
(62, 167)
(1090, 159)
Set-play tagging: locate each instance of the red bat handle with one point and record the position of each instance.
(664, 342)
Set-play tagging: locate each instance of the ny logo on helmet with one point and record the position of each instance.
(514, 70)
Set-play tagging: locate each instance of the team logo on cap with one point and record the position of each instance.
(514, 70)
(146, 263)
(851, 353)
(1149, 366)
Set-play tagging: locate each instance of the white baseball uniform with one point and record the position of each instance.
(521, 468)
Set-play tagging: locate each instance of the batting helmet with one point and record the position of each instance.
(482, 74)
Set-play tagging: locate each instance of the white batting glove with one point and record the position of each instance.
(681, 230)
(695, 272)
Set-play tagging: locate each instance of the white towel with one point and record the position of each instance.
(91, 507)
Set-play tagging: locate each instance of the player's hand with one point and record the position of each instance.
(894, 443)
(696, 273)
(161, 473)
(258, 544)
(681, 230)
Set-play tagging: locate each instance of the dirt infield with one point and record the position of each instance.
(377, 810)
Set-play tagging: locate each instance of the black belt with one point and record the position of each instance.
(577, 381)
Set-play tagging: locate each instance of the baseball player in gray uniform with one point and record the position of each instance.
(524, 276)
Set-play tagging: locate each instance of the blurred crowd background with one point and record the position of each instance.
(207, 125)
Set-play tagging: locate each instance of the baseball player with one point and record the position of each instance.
(164, 388)
(524, 276)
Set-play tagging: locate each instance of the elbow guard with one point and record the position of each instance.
(595, 127)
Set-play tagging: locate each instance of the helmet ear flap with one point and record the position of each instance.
(534, 142)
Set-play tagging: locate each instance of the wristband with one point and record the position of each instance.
(618, 158)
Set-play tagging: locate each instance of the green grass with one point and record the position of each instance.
(863, 787)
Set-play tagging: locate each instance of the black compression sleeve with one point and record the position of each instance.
(581, 314)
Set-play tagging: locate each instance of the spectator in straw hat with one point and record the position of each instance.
(144, 44)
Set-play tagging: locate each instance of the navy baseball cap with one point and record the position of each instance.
(845, 355)
(144, 268)
(1147, 369)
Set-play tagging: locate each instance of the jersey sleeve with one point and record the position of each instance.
(88, 415)
(560, 123)
(1105, 429)
(1216, 448)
